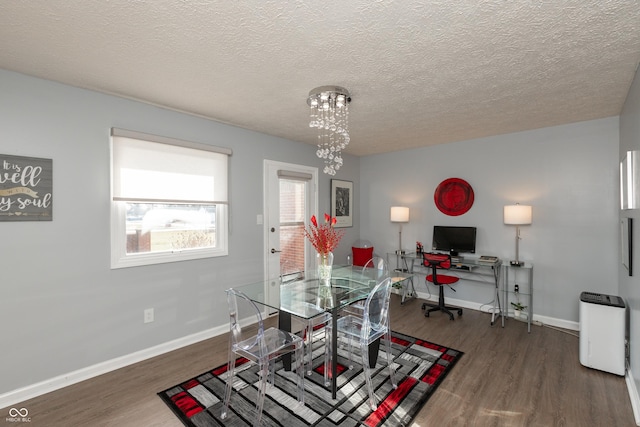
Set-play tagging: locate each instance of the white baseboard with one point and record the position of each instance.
(545, 320)
(633, 395)
(558, 323)
(52, 384)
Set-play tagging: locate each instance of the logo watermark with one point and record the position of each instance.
(20, 415)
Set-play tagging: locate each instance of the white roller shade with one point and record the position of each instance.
(162, 172)
(293, 175)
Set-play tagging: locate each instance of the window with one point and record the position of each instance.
(292, 212)
(169, 200)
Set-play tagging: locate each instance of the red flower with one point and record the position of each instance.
(324, 238)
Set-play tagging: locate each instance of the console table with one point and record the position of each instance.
(464, 268)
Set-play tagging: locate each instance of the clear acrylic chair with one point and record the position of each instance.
(365, 329)
(375, 269)
(289, 274)
(261, 347)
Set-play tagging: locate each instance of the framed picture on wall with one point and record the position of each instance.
(626, 238)
(342, 202)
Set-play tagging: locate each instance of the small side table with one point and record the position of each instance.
(518, 282)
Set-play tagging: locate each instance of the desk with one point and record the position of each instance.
(309, 298)
(402, 267)
(468, 269)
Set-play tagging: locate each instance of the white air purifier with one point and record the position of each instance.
(602, 332)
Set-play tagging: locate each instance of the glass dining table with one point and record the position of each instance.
(310, 297)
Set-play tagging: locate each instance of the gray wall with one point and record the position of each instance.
(569, 174)
(630, 286)
(62, 308)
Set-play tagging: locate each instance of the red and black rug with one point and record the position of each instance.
(420, 367)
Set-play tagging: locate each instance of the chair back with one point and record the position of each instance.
(375, 320)
(376, 269)
(244, 311)
(435, 260)
(439, 262)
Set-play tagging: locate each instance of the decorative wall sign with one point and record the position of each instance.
(26, 188)
(454, 196)
(342, 202)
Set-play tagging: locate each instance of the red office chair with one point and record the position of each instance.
(442, 262)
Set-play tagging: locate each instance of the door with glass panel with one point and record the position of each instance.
(289, 200)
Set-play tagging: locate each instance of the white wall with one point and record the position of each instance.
(62, 308)
(630, 286)
(569, 174)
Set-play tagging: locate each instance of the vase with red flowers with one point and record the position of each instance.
(324, 238)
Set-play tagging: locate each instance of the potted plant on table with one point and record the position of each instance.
(518, 308)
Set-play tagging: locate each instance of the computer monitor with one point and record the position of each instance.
(454, 239)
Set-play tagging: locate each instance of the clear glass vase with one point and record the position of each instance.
(324, 262)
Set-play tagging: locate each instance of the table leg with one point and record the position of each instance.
(374, 350)
(506, 293)
(408, 288)
(496, 277)
(334, 353)
(284, 323)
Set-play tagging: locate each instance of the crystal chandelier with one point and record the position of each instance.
(330, 115)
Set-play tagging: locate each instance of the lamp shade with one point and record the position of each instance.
(517, 214)
(399, 214)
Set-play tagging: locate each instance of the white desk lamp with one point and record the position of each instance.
(517, 215)
(399, 214)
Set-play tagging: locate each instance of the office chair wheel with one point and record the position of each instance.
(426, 314)
(460, 312)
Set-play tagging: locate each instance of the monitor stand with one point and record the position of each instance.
(455, 258)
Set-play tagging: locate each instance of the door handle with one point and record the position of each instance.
(273, 251)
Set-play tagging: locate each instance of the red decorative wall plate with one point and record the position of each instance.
(454, 196)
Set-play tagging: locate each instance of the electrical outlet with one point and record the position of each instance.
(148, 315)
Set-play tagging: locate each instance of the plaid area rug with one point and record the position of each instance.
(420, 367)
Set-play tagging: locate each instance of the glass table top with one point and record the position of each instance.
(469, 261)
(309, 297)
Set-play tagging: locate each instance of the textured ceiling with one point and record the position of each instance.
(420, 72)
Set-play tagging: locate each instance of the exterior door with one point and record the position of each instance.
(290, 198)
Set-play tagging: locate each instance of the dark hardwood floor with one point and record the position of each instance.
(507, 377)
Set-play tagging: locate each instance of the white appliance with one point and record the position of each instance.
(602, 332)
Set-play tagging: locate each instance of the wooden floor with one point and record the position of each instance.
(506, 378)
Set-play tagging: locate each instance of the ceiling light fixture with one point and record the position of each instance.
(330, 115)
